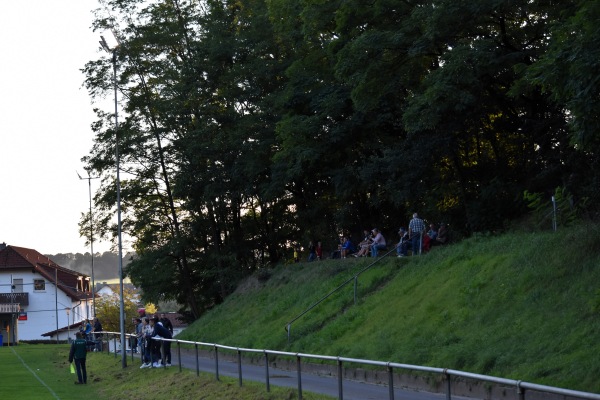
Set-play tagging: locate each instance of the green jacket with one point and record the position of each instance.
(78, 349)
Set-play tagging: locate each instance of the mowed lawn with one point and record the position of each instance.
(37, 372)
(41, 371)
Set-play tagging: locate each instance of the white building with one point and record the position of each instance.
(38, 298)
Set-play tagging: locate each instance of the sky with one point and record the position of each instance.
(45, 118)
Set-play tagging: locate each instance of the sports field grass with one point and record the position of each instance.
(34, 372)
(41, 371)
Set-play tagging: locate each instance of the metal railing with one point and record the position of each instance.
(10, 308)
(520, 387)
(354, 278)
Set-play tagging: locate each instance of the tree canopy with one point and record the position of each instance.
(248, 126)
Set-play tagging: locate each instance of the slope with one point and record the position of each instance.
(522, 306)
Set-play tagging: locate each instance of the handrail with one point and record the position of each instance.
(520, 386)
(288, 326)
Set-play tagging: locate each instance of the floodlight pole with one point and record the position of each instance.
(89, 179)
(120, 243)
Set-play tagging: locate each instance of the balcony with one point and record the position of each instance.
(14, 298)
(9, 308)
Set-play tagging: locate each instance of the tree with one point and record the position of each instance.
(568, 72)
(146, 136)
(108, 309)
(250, 125)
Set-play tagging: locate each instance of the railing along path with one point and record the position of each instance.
(520, 387)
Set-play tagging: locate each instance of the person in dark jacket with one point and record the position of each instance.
(97, 334)
(166, 322)
(161, 332)
(78, 353)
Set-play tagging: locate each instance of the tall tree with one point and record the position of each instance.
(148, 61)
(569, 72)
(251, 125)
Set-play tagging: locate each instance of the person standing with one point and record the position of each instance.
(87, 329)
(87, 332)
(416, 229)
(139, 327)
(147, 343)
(166, 322)
(78, 354)
(312, 252)
(162, 332)
(319, 251)
(296, 254)
(97, 334)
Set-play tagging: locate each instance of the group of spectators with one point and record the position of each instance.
(149, 331)
(148, 334)
(416, 239)
(92, 333)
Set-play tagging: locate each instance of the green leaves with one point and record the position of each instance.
(250, 125)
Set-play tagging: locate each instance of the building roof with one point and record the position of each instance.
(72, 327)
(115, 287)
(13, 257)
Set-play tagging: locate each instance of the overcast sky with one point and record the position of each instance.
(45, 123)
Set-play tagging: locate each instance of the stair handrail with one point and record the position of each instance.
(288, 326)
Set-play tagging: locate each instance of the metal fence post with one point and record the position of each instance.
(520, 391)
(179, 354)
(216, 362)
(298, 363)
(267, 371)
(115, 344)
(391, 381)
(239, 353)
(132, 349)
(197, 361)
(340, 380)
(448, 385)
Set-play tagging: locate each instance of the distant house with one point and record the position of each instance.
(39, 299)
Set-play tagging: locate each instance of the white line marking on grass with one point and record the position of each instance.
(34, 374)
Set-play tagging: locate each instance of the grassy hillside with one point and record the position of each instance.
(523, 306)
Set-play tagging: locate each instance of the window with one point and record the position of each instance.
(39, 284)
(17, 285)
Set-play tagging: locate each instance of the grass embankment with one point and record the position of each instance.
(523, 306)
(40, 372)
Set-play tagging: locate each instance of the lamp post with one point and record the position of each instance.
(68, 309)
(113, 51)
(89, 179)
(80, 284)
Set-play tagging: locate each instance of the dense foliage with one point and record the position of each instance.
(108, 311)
(249, 125)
